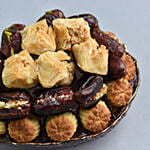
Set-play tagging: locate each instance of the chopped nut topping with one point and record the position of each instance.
(38, 38)
(70, 31)
(90, 58)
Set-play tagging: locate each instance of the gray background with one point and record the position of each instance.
(130, 20)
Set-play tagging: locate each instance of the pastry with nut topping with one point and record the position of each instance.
(62, 79)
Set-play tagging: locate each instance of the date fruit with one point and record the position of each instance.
(88, 90)
(111, 44)
(52, 15)
(11, 40)
(55, 101)
(92, 21)
(14, 105)
(116, 67)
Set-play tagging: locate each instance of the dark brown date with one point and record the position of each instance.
(92, 21)
(55, 101)
(111, 44)
(88, 90)
(116, 67)
(11, 40)
(52, 15)
(14, 105)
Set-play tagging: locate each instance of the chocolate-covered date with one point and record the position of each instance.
(52, 15)
(104, 39)
(14, 105)
(116, 67)
(88, 90)
(11, 40)
(92, 21)
(55, 101)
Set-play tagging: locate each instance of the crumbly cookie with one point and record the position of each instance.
(119, 92)
(97, 118)
(130, 67)
(24, 130)
(62, 127)
(2, 127)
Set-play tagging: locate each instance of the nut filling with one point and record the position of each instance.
(62, 78)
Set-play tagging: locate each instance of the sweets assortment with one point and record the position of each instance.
(60, 75)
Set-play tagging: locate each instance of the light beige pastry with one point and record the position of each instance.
(61, 127)
(20, 71)
(120, 92)
(24, 130)
(97, 118)
(90, 58)
(70, 31)
(38, 38)
(2, 127)
(54, 70)
(130, 67)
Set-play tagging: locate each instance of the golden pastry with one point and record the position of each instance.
(70, 31)
(20, 71)
(90, 58)
(62, 127)
(38, 38)
(24, 130)
(97, 118)
(119, 92)
(52, 71)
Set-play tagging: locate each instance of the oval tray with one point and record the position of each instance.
(77, 141)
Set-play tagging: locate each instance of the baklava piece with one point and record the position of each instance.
(14, 105)
(130, 67)
(38, 38)
(24, 130)
(53, 69)
(119, 92)
(62, 127)
(90, 58)
(97, 118)
(2, 127)
(19, 71)
(70, 31)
